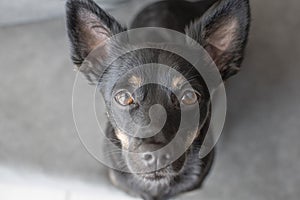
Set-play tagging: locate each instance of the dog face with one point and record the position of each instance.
(131, 95)
(222, 31)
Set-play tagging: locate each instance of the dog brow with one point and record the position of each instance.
(177, 82)
(135, 80)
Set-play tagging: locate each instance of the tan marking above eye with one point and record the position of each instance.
(135, 80)
(177, 82)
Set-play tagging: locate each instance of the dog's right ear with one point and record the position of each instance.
(88, 27)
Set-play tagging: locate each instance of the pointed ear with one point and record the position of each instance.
(88, 27)
(223, 32)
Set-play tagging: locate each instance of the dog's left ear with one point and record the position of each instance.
(223, 32)
(88, 27)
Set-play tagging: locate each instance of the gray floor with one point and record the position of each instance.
(259, 151)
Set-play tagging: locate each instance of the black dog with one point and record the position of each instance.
(221, 27)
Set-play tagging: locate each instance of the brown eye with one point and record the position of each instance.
(190, 97)
(124, 98)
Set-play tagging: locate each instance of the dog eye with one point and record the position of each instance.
(124, 98)
(190, 97)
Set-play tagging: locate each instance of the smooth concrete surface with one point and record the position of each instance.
(22, 11)
(258, 155)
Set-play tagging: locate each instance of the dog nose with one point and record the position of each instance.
(157, 161)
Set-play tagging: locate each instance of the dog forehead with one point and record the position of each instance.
(135, 80)
(165, 79)
(152, 66)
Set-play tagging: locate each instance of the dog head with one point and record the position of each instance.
(132, 98)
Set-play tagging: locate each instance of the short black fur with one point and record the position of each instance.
(220, 26)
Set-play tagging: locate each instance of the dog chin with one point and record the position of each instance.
(164, 175)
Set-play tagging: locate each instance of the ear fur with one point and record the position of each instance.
(88, 27)
(223, 32)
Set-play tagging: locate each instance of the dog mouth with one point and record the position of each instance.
(157, 175)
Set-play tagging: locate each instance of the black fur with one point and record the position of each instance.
(221, 27)
(74, 24)
(222, 12)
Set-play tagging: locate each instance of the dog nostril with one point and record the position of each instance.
(167, 156)
(148, 157)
